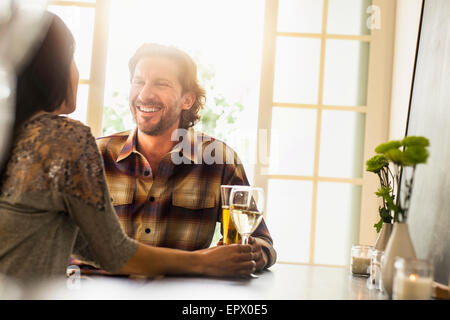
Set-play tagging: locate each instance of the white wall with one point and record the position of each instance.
(406, 31)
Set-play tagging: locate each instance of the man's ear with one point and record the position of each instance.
(187, 100)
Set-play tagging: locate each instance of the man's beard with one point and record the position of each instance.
(166, 121)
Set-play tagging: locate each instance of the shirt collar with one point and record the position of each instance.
(129, 146)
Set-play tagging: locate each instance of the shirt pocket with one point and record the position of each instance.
(193, 201)
(121, 190)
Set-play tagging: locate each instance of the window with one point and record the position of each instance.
(87, 20)
(320, 122)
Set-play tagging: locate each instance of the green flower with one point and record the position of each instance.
(396, 156)
(384, 147)
(415, 141)
(414, 155)
(408, 152)
(376, 163)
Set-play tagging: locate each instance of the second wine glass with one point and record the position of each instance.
(246, 209)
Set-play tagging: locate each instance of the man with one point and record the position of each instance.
(163, 177)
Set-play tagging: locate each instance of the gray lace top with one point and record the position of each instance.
(54, 202)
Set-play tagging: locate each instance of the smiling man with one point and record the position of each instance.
(163, 194)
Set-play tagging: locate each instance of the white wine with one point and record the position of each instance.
(245, 221)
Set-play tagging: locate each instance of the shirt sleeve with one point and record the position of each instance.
(101, 240)
(82, 253)
(234, 174)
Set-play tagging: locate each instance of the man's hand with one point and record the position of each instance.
(229, 260)
(259, 255)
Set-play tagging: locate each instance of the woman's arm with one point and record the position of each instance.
(223, 261)
(88, 203)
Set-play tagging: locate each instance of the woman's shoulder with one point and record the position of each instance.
(56, 153)
(60, 132)
(58, 124)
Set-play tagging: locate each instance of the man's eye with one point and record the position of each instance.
(163, 84)
(137, 82)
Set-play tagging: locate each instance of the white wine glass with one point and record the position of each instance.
(246, 210)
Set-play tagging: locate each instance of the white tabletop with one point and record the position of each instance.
(281, 281)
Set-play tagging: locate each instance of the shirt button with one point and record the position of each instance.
(152, 198)
(146, 173)
(147, 230)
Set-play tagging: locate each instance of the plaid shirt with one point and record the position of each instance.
(180, 205)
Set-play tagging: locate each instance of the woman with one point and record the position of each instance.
(54, 201)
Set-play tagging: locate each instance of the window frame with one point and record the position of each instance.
(96, 80)
(376, 110)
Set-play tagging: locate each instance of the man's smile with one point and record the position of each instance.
(148, 108)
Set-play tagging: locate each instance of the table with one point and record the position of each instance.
(280, 282)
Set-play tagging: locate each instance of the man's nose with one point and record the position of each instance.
(147, 92)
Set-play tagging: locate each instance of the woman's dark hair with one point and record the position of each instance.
(43, 80)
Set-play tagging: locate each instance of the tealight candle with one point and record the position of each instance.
(360, 260)
(413, 279)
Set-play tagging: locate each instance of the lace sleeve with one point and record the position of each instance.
(88, 180)
(54, 153)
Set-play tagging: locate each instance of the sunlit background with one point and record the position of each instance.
(317, 113)
(223, 37)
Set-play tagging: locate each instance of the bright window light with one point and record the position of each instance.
(225, 40)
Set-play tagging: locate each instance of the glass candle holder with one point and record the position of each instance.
(375, 269)
(360, 260)
(413, 279)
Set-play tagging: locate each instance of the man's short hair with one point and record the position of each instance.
(187, 76)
